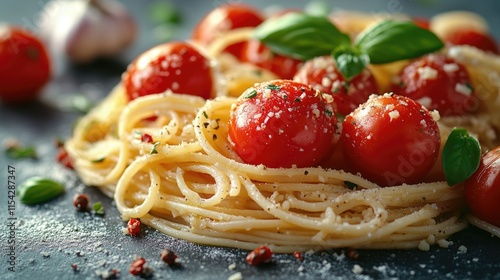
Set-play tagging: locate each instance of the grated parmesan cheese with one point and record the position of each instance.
(443, 243)
(236, 276)
(267, 93)
(462, 249)
(427, 73)
(394, 114)
(463, 89)
(450, 67)
(357, 269)
(423, 245)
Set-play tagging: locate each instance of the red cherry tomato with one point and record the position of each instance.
(224, 18)
(473, 38)
(24, 64)
(322, 74)
(282, 123)
(175, 65)
(482, 189)
(258, 54)
(439, 83)
(390, 140)
(422, 22)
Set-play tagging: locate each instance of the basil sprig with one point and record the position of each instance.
(301, 36)
(305, 36)
(461, 156)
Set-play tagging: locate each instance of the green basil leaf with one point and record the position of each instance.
(392, 40)
(350, 61)
(300, 35)
(38, 190)
(18, 152)
(461, 156)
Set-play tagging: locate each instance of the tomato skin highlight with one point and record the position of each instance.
(282, 123)
(24, 65)
(482, 189)
(175, 65)
(439, 83)
(223, 19)
(322, 74)
(390, 140)
(258, 54)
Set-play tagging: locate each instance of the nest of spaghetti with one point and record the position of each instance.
(190, 184)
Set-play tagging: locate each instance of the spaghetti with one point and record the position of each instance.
(190, 184)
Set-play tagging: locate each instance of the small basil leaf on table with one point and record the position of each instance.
(461, 156)
(390, 41)
(301, 36)
(38, 190)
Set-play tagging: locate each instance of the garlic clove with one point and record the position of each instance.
(85, 30)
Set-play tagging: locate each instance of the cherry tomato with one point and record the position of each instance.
(322, 74)
(482, 189)
(422, 22)
(390, 140)
(24, 64)
(224, 18)
(473, 38)
(175, 65)
(439, 83)
(282, 123)
(258, 54)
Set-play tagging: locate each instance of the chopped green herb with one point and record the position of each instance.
(98, 209)
(153, 149)
(205, 114)
(98, 160)
(329, 113)
(273, 87)
(350, 185)
(251, 94)
(19, 152)
(468, 85)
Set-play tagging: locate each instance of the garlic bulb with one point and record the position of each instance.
(86, 29)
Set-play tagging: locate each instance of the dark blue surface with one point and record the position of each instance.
(52, 237)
